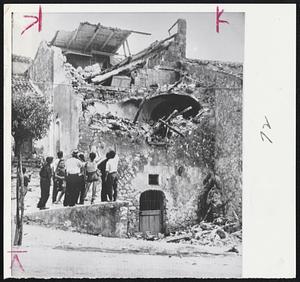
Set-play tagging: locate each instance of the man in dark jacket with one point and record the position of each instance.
(45, 181)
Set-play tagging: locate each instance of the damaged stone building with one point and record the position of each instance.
(174, 120)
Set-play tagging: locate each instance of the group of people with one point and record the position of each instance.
(73, 178)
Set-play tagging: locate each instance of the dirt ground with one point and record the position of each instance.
(57, 253)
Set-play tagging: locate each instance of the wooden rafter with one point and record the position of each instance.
(73, 37)
(107, 40)
(54, 38)
(92, 38)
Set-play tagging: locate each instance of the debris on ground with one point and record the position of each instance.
(204, 233)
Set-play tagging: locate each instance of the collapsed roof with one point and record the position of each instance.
(89, 39)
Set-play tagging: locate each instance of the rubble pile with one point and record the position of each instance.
(178, 126)
(121, 126)
(217, 234)
(112, 94)
(76, 75)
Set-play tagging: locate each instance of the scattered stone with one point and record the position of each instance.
(221, 233)
(205, 226)
(233, 250)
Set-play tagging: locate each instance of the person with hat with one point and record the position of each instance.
(73, 179)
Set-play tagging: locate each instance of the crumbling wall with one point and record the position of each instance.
(181, 167)
(146, 77)
(48, 73)
(41, 69)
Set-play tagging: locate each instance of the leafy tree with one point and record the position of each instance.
(31, 117)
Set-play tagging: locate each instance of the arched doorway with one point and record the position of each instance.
(152, 204)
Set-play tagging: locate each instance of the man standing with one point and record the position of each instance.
(45, 181)
(60, 155)
(81, 194)
(102, 168)
(73, 179)
(111, 171)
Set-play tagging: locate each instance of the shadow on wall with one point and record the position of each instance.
(153, 109)
(161, 106)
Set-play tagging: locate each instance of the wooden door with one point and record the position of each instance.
(151, 220)
(151, 211)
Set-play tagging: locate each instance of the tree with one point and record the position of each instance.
(31, 118)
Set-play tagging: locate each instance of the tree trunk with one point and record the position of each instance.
(20, 199)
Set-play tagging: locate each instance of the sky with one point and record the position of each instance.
(203, 42)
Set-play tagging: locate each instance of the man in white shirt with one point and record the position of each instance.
(73, 180)
(111, 172)
(60, 155)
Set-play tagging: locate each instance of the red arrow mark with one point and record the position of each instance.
(218, 20)
(38, 20)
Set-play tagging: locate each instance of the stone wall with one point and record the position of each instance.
(228, 157)
(106, 219)
(225, 96)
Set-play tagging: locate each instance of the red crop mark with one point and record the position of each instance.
(16, 259)
(218, 20)
(38, 20)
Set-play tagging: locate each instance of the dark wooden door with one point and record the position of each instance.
(151, 220)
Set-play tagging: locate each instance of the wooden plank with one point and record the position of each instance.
(107, 75)
(139, 32)
(136, 59)
(68, 51)
(93, 37)
(172, 27)
(150, 212)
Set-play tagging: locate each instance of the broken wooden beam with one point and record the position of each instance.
(168, 118)
(135, 59)
(171, 127)
(100, 78)
(139, 32)
(184, 111)
(178, 238)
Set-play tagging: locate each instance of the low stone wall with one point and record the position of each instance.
(106, 219)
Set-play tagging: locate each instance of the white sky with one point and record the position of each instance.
(203, 42)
